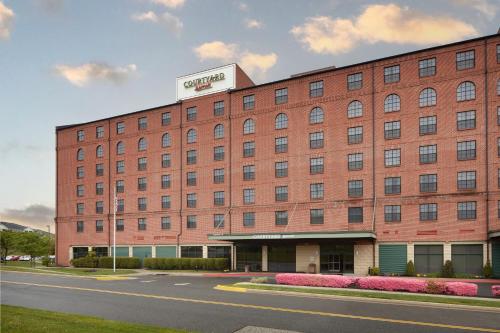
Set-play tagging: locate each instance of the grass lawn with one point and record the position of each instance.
(25, 267)
(395, 296)
(20, 320)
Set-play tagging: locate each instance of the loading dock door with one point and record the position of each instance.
(467, 259)
(392, 259)
(428, 258)
(281, 258)
(141, 252)
(166, 252)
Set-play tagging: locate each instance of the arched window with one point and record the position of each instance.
(392, 103)
(427, 97)
(281, 121)
(80, 154)
(466, 91)
(120, 148)
(191, 136)
(316, 116)
(99, 151)
(166, 141)
(249, 126)
(354, 109)
(219, 131)
(142, 145)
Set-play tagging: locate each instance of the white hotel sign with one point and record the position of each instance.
(207, 82)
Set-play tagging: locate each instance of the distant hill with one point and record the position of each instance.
(20, 228)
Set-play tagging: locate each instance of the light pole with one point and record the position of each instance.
(114, 228)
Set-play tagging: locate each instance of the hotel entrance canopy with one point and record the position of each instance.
(298, 236)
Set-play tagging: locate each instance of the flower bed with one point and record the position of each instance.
(495, 290)
(381, 283)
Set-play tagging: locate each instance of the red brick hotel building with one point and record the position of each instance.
(372, 164)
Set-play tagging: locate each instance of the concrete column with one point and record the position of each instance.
(205, 251)
(130, 251)
(264, 258)
(410, 252)
(376, 255)
(305, 255)
(485, 253)
(233, 257)
(153, 251)
(363, 258)
(70, 253)
(446, 252)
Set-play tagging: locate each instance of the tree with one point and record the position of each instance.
(33, 244)
(8, 242)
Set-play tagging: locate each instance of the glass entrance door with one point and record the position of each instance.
(337, 258)
(335, 263)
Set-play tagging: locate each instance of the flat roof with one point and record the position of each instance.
(297, 76)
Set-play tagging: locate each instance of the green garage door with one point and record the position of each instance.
(467, 259)
(495, 254)
(392, 259)
(166, 252)
(428, 258)
(141, 252)
(121, 251)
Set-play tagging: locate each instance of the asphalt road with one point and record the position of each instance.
(191, 303)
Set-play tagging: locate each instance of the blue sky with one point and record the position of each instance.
(64, 62)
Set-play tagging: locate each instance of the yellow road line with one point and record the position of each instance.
(264, 307)
(230, 288)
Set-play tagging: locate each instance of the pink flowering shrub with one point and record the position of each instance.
(392, 284)
(461, 288)
(495, 290)
(315, 280)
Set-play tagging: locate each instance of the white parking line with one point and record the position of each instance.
(181, 284)
(147, 281)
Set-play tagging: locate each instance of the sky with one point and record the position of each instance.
(65, 62)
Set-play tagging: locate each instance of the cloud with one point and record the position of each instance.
(242, 6)
(253, 24)
(35, 215)
(169, 3)
(249, 61)
(486, 8)
(379, 23)
(173, 23)
(84, 74)
(6, 18)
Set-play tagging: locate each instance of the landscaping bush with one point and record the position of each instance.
(487, 270)
(410, 269)
(392, 284)
(121, 262)
(208, 264)
(461, 288)
(373, 271)
(435, 287)
(495, 290)
(447, 271)
(316, 280)
(47, 261)
(88, 262)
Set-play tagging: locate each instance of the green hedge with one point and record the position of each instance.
(209, 264)
(106, 262)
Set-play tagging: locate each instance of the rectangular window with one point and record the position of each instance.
(79, 226)
(316, 216)
(165, 161)
(99, 169)
(355, 161)
(141, 223)
(191, 200)
(191, 178)
(191, 221)
(281, 217)
(99, 132)
(316, 89)
(99, 207)
(219, 108)
(80, 172)
(248, 219)
(498, 115)
(466, 180)
(427, 67)
(281, 193)
(498, 53)
(391, 74)
(120, 225)
(165, 222)
(165, 202)
(354, 81)
(99, 226)
(218, 221)
(355, 135)
(248, 172)
(142, 204)
(248, 149)
(281, 96)
(392, 130)
(466, 210)
(142, 123)
(428, 125)
(355, 215)
(316, 140)
(80, 135)
(355, 188)
(120, 205)
(428, 212)
(466, 150)
(465, 60)
(166, 118)
(428, 183)
(248, 102)
(219, 153)
(99, 188)
(466, 120)
(79, 190)
(428, 154)
(142, 163)
(317, 191)
(191, 113)
(79, 208)
(219, 198)
(218, 176)
(249, 196)
(392, 157)
(191, 157)
(392, 185)
(120, 127)
(142, 184)
(316, 165)
(165, 181)
(281, 145)
(281, 169)
(392, 213)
